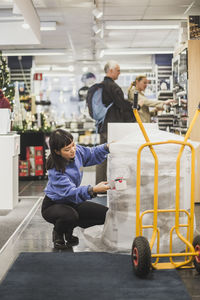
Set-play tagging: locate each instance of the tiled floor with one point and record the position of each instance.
(37, 236)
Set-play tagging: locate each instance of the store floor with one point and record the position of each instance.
(36, 235)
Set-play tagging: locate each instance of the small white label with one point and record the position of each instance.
(120, 184)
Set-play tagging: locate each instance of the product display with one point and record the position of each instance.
(33, 165)
(32, 155)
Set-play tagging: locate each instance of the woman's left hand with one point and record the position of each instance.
(169, 101)
(108, 145)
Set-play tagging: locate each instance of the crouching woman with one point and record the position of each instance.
(65, 203)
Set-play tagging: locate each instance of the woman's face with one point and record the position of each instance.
(142, 84)
(68, 152)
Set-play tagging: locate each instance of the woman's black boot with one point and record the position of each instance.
(71, 239)
(58, 240)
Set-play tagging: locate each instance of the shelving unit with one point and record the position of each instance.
(175, 119)
(151, 91)
(84, 132)
(22, 77)
(164, 78)
(27, 101)
(180, 90)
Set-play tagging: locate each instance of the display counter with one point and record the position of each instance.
(9, 158)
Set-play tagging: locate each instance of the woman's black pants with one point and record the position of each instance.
(68, 216)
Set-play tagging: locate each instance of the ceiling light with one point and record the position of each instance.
(53, 68)
(12, 18)
(96, 29)
(102, 52)
(47, 26)
(42, 68)
(97, 13)
(135, 51)
(16, 10)
(51, 74)
(33, 52)
(25, 25)
(60, 68)
(124, 73)
(123, 67)
(85, 69)
(71, 68)
(141, 25)
(132, 67)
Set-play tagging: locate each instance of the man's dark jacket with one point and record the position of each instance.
(121, 110)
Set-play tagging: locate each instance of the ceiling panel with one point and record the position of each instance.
(123, 12)
(164, 12)
(169, 39)
(74, 22)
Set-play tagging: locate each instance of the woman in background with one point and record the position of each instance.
(144, 103)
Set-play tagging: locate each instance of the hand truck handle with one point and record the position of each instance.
(135, 101)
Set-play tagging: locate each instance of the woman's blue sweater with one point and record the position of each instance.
(65, 187)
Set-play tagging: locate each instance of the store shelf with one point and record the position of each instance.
(84, 133)
(21, 77)
(164, 77)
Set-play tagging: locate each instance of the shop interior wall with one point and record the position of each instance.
(194, 100)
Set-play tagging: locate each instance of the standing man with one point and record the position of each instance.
(120, 110)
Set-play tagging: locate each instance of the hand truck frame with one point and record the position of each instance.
(141, 256)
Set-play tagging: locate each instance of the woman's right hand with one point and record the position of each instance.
(101, 187)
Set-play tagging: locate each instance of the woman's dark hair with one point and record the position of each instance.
(58, 139)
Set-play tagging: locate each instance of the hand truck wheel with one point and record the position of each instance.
(141, 256)
(196, 245)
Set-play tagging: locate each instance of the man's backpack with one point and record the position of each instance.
(97, 109)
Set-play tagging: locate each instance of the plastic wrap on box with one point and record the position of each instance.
(119, 228)
(118, 231)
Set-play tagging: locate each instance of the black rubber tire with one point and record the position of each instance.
(196, 245)
(141, 256)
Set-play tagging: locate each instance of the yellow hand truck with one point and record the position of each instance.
(142, 259)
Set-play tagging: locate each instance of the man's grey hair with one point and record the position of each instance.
(110, 65)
